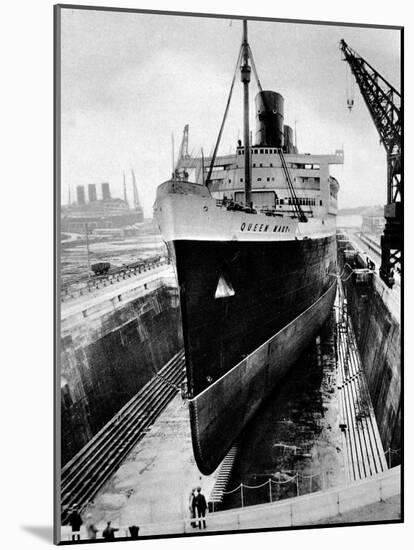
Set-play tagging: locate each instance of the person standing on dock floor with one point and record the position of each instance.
(134, 531)
(201, 506)
(91, 528)
(192, 507)
(109, 532)
(75, 521)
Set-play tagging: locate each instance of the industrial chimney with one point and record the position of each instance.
(92, 192)
(80, 194)
(106, 192)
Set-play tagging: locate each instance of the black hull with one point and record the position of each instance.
(276, 286)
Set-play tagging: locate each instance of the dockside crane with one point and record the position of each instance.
(385, 107)
(183, 155)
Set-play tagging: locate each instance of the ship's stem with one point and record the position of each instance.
(245, 78)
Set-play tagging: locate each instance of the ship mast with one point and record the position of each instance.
(125, 190)
(245, 78)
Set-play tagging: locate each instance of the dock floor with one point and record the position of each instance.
(154, 482)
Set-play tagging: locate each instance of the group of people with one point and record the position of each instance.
(198, 507)
(76, 522)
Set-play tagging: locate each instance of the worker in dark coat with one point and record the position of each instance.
(201, 507)
(75, 521)
(91, 528)
(134, 531)
(192, 507)
(109, 532)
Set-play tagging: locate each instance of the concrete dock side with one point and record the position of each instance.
(375, 311)
(100, 300)
(318, 507)
(376, 498)
(363, 451)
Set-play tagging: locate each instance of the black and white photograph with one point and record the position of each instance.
(229, 274)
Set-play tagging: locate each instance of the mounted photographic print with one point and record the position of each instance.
(228, 272)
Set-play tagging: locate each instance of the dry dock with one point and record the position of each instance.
(334, 446)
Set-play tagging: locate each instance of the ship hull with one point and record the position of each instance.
(239, 343)
(220, 412)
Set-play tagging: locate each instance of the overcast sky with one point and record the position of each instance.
(130, 80)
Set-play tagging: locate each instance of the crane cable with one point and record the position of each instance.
(349, 87)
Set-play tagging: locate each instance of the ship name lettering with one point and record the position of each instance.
(261, 228)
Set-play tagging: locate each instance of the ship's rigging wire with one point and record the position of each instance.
(254, 68)
(202, 166)
(213, 159)
(298, 210)
(296, 206)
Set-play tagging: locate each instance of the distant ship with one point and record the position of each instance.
(253, 242)
(105, 213)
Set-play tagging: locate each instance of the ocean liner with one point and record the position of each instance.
(253, 243)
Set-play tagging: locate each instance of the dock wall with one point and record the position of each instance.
(109, 350)
(375, 314)
(304, 510)
(313, 507)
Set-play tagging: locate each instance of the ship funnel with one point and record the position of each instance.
(288, 137)
(92, 192)
(224, 289)
(106, 192)
(80, 194)
(269, 119)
